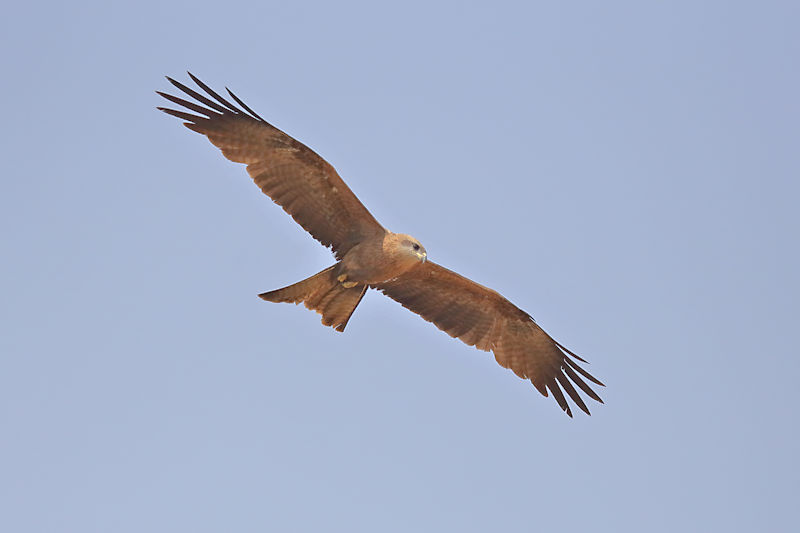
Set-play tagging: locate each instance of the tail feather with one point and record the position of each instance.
(324, 294)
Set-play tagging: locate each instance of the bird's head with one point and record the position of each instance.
(412, 247)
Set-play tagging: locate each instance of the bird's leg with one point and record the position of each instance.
(346, 284)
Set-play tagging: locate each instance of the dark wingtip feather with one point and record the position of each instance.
(199, 97)
(570, 352)
(571, 374)
(175, 82)
(559, 397)
(188, 105)
(583, 372)
(540, 387)
(181, 115)
(238, 101)
(211, 92)
(572, 393)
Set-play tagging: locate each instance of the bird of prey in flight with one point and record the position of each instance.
(370, 256)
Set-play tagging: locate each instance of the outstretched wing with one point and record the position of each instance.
(482, 318)
(297, 179)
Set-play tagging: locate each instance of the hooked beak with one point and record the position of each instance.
(423, 256)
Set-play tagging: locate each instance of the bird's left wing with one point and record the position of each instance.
(483, 318)
(294, 176)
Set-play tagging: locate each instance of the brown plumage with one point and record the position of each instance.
(309, 189)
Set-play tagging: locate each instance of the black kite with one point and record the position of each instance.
(369, 256)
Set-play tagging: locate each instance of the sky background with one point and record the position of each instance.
(626, 172)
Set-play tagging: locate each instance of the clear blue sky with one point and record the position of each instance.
(627, 172)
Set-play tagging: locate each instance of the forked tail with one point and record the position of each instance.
(324, 294)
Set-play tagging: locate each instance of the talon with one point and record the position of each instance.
(349, 284)
(342, 277)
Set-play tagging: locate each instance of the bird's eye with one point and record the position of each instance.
(415, 246)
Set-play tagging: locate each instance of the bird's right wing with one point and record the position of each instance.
(483, 318)
(300, 181)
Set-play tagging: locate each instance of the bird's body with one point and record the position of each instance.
(382, 258)
(369, 256)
